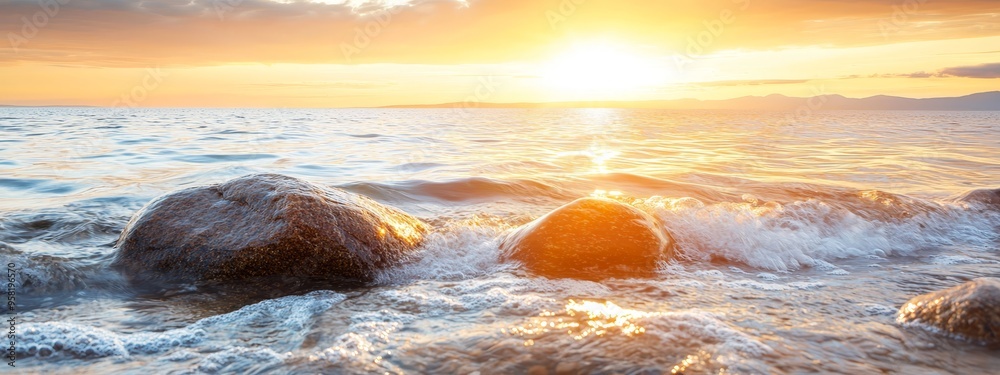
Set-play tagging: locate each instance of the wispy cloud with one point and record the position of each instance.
(325, 85)
(975, 71)
(991, 70)
(754, 82)
(191, 32)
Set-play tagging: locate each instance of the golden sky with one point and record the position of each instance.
(342, 53)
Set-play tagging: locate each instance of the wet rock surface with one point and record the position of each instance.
(970, 310)
(590, 238)
(265, 225)
(983, 196)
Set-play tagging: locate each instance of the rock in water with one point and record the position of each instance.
(985, 196)
(590, 238)
(265, 225)
(970, 310)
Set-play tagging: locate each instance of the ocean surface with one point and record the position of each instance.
(800, 235)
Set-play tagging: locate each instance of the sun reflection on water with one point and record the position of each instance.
(599, 193)
(583, 319)
(599, 157)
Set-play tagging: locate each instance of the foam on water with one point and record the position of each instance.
(771, 287)
(515, 298)
(948, 260)
(240, 360)
(81, 341)
(812, 233)
(282, 316)
(459, 251)
(776, 284)
(579, 324)
(285, 313)
(366, 342)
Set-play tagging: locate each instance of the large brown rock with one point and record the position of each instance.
(265, 225)
(970, 310)
(590, 238)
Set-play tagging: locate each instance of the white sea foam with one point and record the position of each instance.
(947, 260)
(768, 276)
(681, 328)
(583, 322)
(876, 309)
(366, 342)
(771, 287)
(812, 233)
(461, 251)
(506, 293)
(285, 314)
(239, 360)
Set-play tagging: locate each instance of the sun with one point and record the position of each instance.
(603, 68)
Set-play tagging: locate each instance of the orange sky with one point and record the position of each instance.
(336, 53)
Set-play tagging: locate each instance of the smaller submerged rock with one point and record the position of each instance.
(970, 310)
(590, 238)
(985, 196)
(265, 225)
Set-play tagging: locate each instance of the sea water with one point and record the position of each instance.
(799, 234)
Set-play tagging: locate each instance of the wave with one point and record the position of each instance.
(787, 227)
(288, 316)
(814, 232)
(818, 233)
(475, 189)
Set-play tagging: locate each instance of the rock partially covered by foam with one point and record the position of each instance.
(265, 226)
(590, 238)
(970, 310)
(984, 196)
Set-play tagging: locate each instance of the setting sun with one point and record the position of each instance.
(602, 67)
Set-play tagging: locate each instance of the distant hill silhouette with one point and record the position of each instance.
(986, 101)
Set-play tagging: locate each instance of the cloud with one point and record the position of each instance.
(991, 70)
(975, 71)
(325, 85)
(212, 32)
(753, 82)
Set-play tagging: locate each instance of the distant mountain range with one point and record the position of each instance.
(986, 101)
